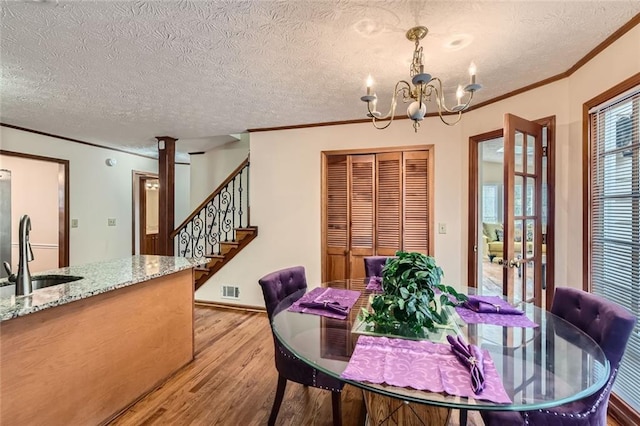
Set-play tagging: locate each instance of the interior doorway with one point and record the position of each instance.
(511, 210)
(39, 187)
(145, 213)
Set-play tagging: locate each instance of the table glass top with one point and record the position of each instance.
(540, 367)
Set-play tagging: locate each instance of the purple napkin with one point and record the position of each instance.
(471, 316)
(484, 306)
(329, 306)
(327, 302)
(375, 284)
(471, 357)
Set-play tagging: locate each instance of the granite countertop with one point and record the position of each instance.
(98, 278)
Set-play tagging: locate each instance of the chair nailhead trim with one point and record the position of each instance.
(592, 410)
(315, 372)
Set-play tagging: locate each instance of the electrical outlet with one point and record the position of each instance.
(74, 223)
(442, 228)
(111, 221)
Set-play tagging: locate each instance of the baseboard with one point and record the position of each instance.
(234, 306)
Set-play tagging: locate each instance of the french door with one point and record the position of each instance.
(511, 193)
(374, 203)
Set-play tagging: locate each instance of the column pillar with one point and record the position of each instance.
(166, 197)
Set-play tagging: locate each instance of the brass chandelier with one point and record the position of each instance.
(421, 89)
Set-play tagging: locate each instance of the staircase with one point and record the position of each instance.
(219, 228)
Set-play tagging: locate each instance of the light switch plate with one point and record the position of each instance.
(442, 228)
(111, 221)
(74, 223)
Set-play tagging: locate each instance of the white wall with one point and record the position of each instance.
(285, 178)
(208, 170)
(97, 192)
(285, 198)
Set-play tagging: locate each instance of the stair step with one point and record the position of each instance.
(199, 273)
(228, 250)
(227, 246)
(242, 233)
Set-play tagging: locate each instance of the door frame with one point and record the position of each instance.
(63, 201)
(138, 213)
(472, 243)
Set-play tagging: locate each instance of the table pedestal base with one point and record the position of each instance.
(385, 410)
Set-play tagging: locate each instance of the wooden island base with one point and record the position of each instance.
(83, 362)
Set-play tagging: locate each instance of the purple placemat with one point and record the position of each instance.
(421, 365)
(375, 284)
(344, 297)
(505, 320)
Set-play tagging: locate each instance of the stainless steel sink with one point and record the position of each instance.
(39, 281)
(42, 281)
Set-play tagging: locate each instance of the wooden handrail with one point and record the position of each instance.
(213, 195)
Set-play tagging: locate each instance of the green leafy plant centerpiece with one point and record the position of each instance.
(413, 297)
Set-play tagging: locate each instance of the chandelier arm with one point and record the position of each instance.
(440, 98)
(451, 123)
(394, 102)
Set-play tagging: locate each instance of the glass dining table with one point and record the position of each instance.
(540, 367)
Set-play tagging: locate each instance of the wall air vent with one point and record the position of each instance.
(230, 292)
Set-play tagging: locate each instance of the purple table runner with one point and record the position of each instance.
(375, 284)
(421, 365)
(506, 320)
(320, 295)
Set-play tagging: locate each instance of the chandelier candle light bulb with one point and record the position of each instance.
(472, 73)
(419, 90)
(459, 94)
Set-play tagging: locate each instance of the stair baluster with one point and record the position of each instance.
(201, 234)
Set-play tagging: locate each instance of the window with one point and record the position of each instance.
(615, 220)
(490, 203)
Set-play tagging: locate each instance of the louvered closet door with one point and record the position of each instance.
(337, 213)
(416, 209)
(389, 203)
(362, 212)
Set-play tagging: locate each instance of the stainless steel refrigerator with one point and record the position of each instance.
(5, 219)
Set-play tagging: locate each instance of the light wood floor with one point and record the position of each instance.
(232, 381)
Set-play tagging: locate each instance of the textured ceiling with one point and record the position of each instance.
(118, 73)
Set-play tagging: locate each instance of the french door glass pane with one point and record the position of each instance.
(531, 154)
(530, 200)
(519, 152)
(518, 199)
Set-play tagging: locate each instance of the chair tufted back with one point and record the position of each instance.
(610, 325)
(280, 284)
(606, 322)
(373, 265)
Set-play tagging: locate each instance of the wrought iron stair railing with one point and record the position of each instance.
(215, 220)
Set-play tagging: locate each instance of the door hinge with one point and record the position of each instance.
(475, 249)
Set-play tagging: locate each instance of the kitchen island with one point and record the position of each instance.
(81, 352)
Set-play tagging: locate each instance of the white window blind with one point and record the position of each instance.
(615, 220)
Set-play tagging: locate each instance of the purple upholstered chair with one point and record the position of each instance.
(373, 265)
(291, 283)
(610, 325)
